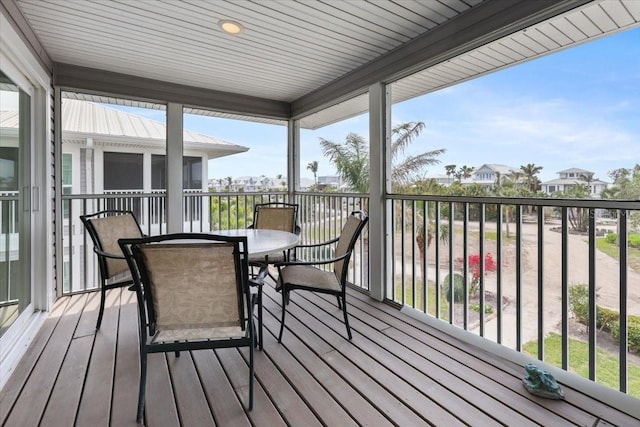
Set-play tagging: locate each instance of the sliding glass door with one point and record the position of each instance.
(15, 260)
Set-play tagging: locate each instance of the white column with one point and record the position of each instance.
(379, 208)
(293, 158)
(174, 168)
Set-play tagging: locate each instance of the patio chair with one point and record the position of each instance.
(193, 293)
(105, 228)
(306, 276)
(274, 216)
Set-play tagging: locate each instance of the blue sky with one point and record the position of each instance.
(576, 108)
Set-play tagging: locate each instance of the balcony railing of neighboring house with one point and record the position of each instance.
(517, 261)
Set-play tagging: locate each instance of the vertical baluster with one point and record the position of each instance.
(465, 265)
(393, 249)
(402, 253)
(451, 260)
(425, 251)
(624, 325)
(413, 253)
(518, 209)
(482, 268)
(565, 289)
(540, 282)
(437, 239)
(499, 270)
(592, 294)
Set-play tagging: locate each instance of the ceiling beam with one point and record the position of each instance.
(487, 22)
(100, 82)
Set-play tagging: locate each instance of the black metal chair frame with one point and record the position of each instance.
(286, 288)
(264, 265)
(103, 256)
(146, 311)
(297, 230)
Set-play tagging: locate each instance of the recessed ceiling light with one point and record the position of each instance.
(230, 27)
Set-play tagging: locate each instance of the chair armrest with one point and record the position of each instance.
(107, 254)
(319, 262)
(315, 245)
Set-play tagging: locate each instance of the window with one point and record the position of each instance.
(158, 172)
(191, 172)
(122, 171)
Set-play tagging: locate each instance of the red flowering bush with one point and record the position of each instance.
(474, 268)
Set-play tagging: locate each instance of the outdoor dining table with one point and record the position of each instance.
(262, 242)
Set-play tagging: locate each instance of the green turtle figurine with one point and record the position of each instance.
(541, 383)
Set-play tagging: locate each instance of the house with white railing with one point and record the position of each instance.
(569, 178)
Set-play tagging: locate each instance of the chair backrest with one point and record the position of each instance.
(194, 285)
(105, 228)
(348, 237)
(276, 216)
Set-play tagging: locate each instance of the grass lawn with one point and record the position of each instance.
(607, 363)
(633, 254)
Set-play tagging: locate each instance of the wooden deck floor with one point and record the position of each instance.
(395, 371)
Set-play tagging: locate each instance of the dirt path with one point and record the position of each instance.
(607, 279)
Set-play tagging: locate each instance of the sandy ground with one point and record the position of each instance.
(607, 279)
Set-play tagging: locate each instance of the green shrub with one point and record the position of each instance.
(579, 301)
(605, 318)
(487, 308)
(458, 287)
(633, 239)
(633, 332)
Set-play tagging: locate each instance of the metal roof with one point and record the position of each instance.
(299, 57)
(83, 119)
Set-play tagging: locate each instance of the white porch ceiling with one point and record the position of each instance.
(287, 50)
(291, 49)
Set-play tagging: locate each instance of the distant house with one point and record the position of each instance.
(108, 150)
(248, 184)
(574, 176)
(442, 179)
(487, 174)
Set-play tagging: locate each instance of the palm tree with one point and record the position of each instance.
(587, 178)
(406, 170)
(530, 171)
(450, 170)
(351, 158)
(313, 167)
(466, 171)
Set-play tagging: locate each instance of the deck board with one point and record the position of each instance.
(396, 371)
(34, 397)
(95, 403)
(12, 390)
(160, 404)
